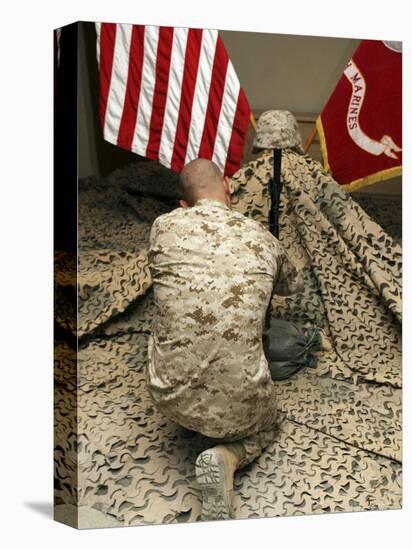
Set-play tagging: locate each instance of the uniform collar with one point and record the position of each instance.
(212, 202)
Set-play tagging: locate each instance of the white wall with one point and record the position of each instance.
(297, 73)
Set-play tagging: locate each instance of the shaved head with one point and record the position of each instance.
(201, 179)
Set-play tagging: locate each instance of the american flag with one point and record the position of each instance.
(171, 94)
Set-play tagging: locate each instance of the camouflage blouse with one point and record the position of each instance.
(213, 272)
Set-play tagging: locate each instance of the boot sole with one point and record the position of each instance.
(210, 474)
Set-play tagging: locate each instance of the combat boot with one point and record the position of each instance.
(215, 470)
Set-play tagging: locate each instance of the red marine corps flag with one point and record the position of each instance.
(171, 94)
(360, 128)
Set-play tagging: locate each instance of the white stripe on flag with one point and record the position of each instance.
(144, 113)
(226, 117)
(201, 94)
(118, 82)
(98, 31)
(173, 96)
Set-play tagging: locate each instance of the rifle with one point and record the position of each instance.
(275, 189)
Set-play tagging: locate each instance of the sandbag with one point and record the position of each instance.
(287, 347)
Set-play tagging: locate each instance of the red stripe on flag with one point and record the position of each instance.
(134, 81)
(164, 53)
(107, 40)
(192, 54)
(237, 139)
(214, 104)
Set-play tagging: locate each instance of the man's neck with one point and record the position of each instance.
(211, 198)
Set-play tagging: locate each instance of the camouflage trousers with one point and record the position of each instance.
(251, 446)
(248, 447)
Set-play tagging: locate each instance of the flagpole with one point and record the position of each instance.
(310, 138)
(252, 121)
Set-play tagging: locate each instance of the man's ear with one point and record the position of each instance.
(183, 203)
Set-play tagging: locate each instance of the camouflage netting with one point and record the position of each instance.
(339, 446)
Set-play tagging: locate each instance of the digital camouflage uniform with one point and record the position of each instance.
(213, 272)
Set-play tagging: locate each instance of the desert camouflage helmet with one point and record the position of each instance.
(277, 130)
